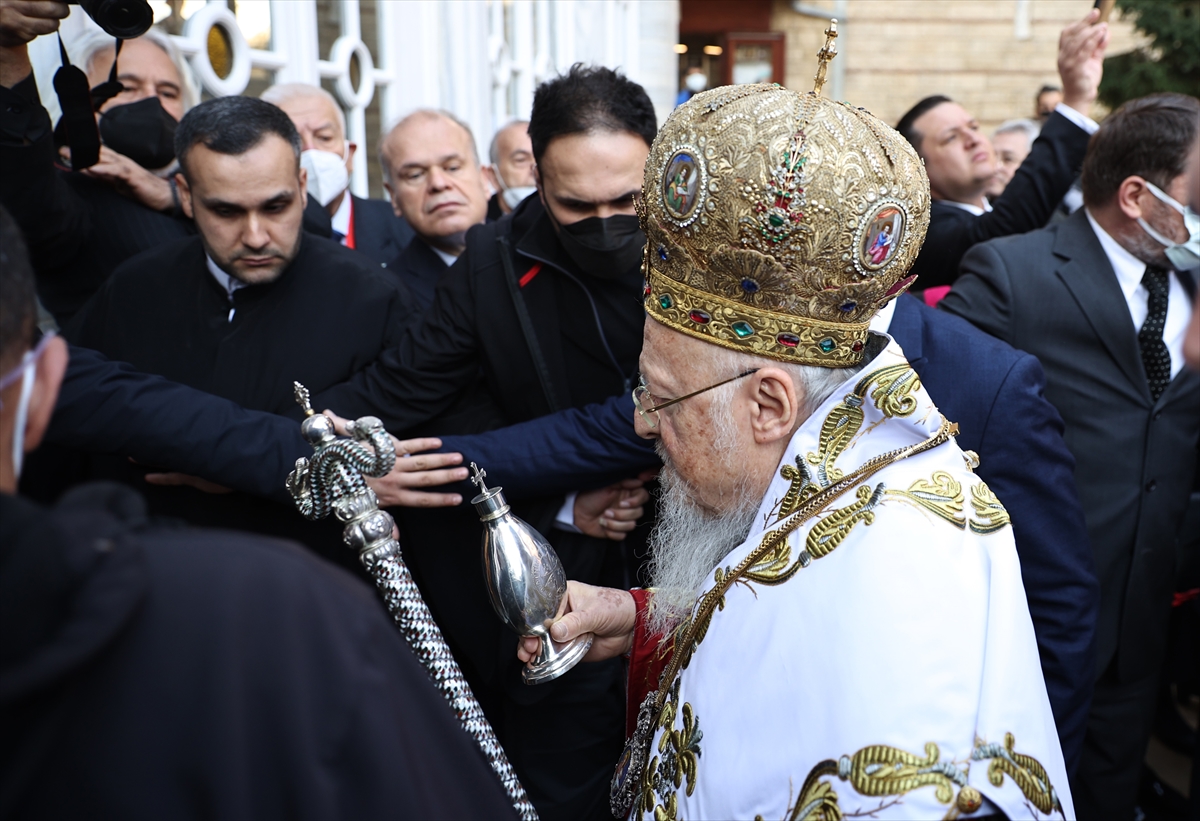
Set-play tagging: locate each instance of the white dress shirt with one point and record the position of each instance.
(1130, 270)
(340, 221)
(228, 283)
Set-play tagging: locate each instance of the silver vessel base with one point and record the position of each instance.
(556, 659)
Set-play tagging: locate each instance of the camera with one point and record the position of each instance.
(120, 18)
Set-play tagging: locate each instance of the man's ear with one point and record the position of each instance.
(394, 200)
(351, 150)
(1129, 197)
(50, 370)
(489, 174)
(185, 195)
(303, 177)
(775, 405)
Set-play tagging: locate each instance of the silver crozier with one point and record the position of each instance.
(526, 582)
(332, 481)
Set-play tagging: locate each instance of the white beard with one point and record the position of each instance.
(688, 541)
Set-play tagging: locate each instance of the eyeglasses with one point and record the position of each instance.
(642, 397)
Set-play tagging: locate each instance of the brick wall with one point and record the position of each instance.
(897, 51)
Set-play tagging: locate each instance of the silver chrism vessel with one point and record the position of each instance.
(526, 582)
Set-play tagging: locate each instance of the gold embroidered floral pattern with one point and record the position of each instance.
(990, 515)
(941, 495)
(1028, 773)
(895, 386)
(879, 771)
(828, 533)
(676, 763)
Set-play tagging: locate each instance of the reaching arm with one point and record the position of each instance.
(578, 448)
(108, 407)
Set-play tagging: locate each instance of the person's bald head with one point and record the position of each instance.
(432, 174)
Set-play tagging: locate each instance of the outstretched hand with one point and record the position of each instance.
(610, 615)
(396, 489)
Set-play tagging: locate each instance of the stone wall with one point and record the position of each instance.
(990, 55)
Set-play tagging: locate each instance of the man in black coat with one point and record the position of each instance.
(81, 225)
(250, 305)
(182, 673)
(548, 302)
(432, 174)
(960, 161)
(368, 226)
(1096, 299)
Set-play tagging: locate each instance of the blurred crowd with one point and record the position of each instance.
(491, 310)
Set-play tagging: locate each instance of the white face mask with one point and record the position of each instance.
(327, 175)
(26, 371)
(695, 82)
(513, 195)
(1183, 256)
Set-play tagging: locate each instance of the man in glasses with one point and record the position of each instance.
(837, 598)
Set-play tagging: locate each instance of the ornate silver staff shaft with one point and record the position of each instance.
(332, 481)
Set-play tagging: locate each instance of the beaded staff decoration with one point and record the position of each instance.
(332, 481)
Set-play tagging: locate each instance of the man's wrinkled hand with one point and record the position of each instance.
(23, 20)
(612, 512)
(609, 615)
(414, 471)
(130, 179)
(1081, 61)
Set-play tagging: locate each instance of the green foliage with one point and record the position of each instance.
(1170, 63)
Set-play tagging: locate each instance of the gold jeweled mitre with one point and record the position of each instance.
(778, 223)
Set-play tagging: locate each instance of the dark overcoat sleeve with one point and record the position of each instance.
(1031, 471)
(983, 294)
(574, 449)
(1027, 203)
(52, 217)
(419, 378)
(108, 407)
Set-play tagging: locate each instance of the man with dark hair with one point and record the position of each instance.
(548, 302)
(82, 224)
(1103, 300)
(1046, 101)
(160, 666)
(961, 164)
(251, 304)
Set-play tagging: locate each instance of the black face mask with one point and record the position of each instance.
(605, 248)
(142, 131)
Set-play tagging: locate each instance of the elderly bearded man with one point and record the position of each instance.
(838, 625)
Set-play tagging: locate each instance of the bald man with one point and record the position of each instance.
(431, 171)
(367, 226)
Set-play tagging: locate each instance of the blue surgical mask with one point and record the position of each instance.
(1183, 256)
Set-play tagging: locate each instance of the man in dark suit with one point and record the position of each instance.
(183, 672)
(547, 302)
(368, 226)
(432, 173)
(82, 224)
(960, 161)
(251, 304)
(1096, 299)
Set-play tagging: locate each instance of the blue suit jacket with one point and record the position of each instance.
(991, 390)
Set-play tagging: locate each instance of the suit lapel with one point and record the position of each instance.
(1089, 277)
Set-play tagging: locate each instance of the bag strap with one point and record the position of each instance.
(531, 340)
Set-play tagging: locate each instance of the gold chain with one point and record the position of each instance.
(802, 514)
